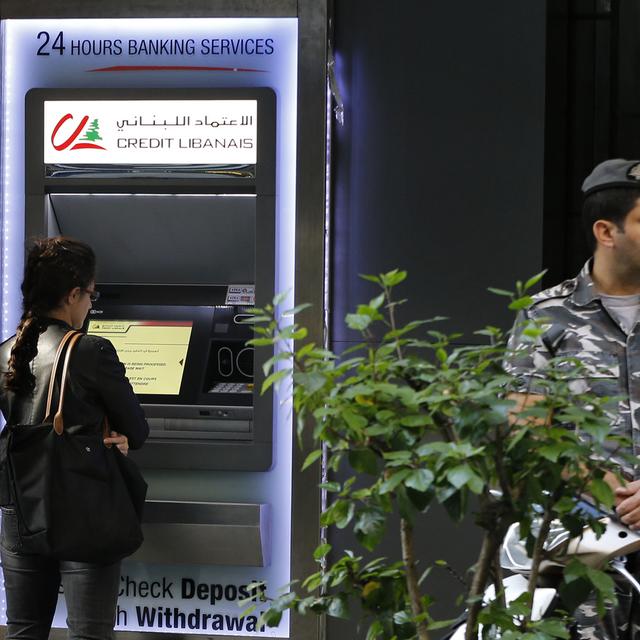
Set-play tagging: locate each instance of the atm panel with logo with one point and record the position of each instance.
(175, 191)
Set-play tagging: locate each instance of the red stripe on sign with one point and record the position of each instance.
(173, 68)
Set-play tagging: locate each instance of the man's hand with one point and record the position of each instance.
(122, 442)
(628, 504)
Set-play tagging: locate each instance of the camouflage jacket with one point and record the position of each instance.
(579, 326)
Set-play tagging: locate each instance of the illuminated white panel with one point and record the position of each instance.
(173, 132)
(233, 52)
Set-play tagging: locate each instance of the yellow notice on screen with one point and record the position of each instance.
(152, 351)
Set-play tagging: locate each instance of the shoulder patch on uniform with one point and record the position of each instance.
(562, 290)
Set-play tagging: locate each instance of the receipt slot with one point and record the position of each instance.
(175, 191)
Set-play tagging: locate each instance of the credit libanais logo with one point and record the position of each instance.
(90, 132)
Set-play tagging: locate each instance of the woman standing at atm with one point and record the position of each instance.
(58, 289)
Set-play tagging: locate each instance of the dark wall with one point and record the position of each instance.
(438, 169)
(592, 113)
(582, 85)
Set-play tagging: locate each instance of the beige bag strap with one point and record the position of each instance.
(58, 424)
(52, 381)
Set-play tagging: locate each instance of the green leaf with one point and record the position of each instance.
(574, 570)
(338, 608)
(440, 624)
(301, 352)
(402, 456)
(601, 491)
(406, 508)
(370, 278)
(420, 500)
(393, 278)
(376, 303)
(392, 482)
(354, 420)
(331, 487)
(418, 420)
(500, 292)
(364, 461)
(311, 458)
(521, 303)
(312, 381)
(601, 581)
(357, 321)
(378, 430)
(456, 505)
(552, 451)
(425, 575)
(321, 551)
(375, 630)
(280, 297)
(268, 365)
(554, 628)
(464, 475)
(369, 527)
(292, 332)
(534, 280)
(575, 592)
(261, 342)
(297, 309)
(248, 610)
(420, 480)
(346, 512)
(271, 618)
(366, 310)
(566, 504)
(274, 378)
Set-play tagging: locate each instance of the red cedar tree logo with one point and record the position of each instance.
(91, 134)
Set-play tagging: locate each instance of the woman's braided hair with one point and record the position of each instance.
(54, 267)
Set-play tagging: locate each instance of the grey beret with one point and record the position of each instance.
(613, 173)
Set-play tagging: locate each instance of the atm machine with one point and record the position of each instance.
(175, 191)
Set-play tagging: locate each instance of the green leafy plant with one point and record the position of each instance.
(418, 420)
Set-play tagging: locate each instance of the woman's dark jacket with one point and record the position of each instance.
(97, 386)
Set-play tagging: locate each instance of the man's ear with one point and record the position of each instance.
(605, 232)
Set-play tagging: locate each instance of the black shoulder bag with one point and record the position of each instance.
(75, 498)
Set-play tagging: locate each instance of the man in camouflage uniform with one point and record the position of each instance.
(594, 317)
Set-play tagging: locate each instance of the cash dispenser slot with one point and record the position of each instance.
(200, 421)
(213, 533)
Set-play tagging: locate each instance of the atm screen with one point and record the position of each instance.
(152, 351)
(178, 354)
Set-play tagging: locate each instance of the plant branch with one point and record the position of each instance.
(406, 536)
(538, 551)
(498, 583)
(392, 319)
(485, 561)
(446, 427)
(503, 479)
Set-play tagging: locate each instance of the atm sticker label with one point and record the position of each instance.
(241, 294)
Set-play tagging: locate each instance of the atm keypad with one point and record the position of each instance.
(231, 387)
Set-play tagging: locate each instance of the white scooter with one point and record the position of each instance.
(606, 552)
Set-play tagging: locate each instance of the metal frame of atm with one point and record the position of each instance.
(224, 453)
(313, 18)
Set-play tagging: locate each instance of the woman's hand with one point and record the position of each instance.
(122, 442)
